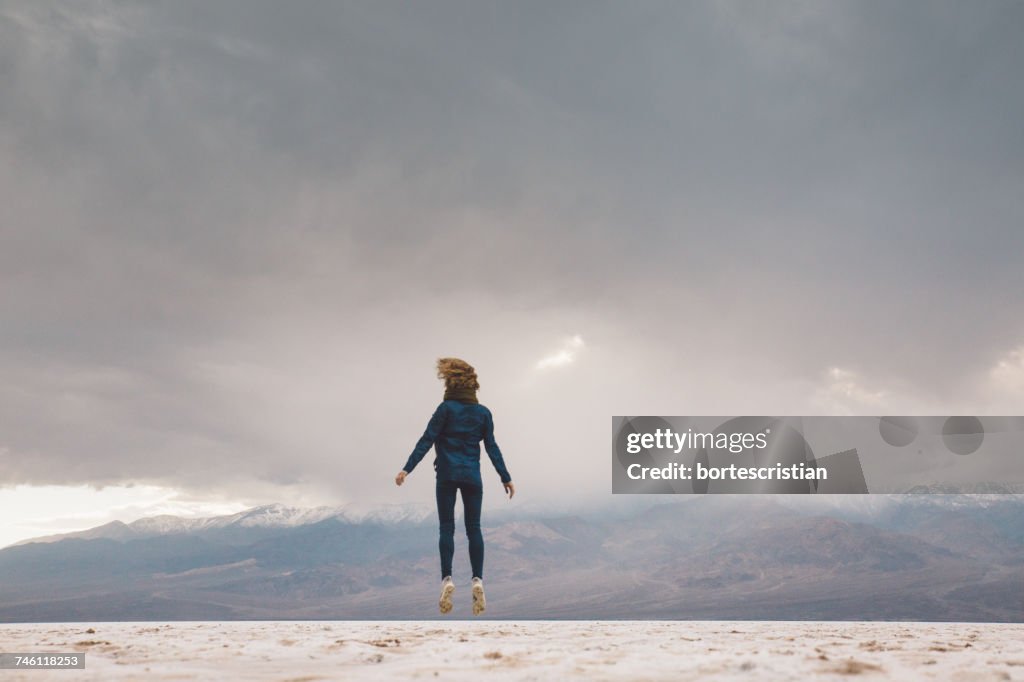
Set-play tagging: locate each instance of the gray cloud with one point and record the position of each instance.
(236, 235)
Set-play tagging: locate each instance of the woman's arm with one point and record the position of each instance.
(433, 430)
(494, 452)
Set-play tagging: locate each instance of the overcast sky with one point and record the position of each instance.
(235, 236)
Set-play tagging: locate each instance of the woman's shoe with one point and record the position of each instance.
(447, 589)
(479, 601)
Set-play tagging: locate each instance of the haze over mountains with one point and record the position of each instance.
(888, 557)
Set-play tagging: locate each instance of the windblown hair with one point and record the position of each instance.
(457, 373)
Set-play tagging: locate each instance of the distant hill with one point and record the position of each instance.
(269, 516)
(898, 557)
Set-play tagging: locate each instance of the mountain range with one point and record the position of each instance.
(870, 557)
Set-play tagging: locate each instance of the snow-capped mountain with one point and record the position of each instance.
(267, 516)
(899, 557)
(277, 515)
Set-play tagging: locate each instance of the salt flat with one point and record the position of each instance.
(523, 650)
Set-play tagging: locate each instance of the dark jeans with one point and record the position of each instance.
(472, 497)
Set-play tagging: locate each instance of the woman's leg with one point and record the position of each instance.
(445, 491)
(472, 500)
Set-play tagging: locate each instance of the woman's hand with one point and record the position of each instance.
(510, 489)
(400, 478)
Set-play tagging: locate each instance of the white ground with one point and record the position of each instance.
(523, 650)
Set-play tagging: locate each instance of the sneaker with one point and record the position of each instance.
(479, 602)
(447, 588)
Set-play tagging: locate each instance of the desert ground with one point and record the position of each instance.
(523, 650)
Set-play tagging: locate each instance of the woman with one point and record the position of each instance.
(455, 430)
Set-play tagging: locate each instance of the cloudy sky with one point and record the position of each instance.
(234, 236)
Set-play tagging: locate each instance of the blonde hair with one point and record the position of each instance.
(457, 373)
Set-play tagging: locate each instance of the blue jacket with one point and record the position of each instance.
(455, 430)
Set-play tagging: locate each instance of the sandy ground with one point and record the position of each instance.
(523, 650)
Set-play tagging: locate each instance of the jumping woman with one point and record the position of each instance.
(455, 430)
